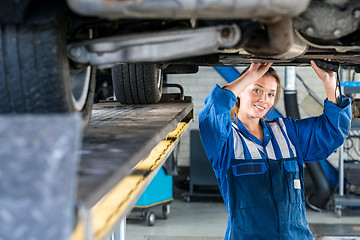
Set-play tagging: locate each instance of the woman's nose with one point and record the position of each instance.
(263, 97)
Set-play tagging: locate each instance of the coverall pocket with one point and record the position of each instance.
(294, 181)
(251, 185)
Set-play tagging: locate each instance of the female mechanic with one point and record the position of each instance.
(260, 164)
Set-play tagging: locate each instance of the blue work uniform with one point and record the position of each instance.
(262, 183)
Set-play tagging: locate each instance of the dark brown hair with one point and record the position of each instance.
(271, 72)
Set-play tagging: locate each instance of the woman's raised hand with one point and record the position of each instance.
(325, 76)
(255, 71)
(329, 80)
(259, 69)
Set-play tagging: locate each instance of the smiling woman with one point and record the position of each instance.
(271, 74)
(257, 99)
(258, 163)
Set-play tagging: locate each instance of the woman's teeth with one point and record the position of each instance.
(262, 108)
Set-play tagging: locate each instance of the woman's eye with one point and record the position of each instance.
(271, 95)
(257, 91)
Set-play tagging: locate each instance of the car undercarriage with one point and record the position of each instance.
(152, 38)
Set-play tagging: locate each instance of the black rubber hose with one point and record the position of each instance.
(291, 105)
(322, 190)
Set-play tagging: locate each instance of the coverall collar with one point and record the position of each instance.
(250, 136)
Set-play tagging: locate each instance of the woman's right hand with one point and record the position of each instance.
(259, 69)
(255, 71)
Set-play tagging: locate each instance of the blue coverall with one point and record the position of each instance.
(262, 183)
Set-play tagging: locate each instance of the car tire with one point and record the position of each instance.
(137, 83)
(35, 74)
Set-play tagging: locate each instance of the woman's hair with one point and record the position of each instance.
(271, 72)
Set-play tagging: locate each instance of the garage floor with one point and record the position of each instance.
(206, 219)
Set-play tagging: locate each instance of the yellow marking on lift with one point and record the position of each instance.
(106, 213)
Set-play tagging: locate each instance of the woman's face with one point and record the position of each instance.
(258, 98)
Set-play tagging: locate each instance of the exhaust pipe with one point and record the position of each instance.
(188, 9)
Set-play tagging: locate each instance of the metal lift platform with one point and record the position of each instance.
(123, 149)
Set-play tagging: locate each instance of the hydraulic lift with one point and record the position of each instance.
(122, 150)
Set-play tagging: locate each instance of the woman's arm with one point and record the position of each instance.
(319, 136)
(215, 124)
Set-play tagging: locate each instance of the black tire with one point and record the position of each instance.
(137, 83)
(35, 70)
(150, 218)
(165, 211)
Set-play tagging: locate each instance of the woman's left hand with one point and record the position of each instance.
(329, 80)
(325, 76)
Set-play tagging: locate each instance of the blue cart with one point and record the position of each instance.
(159, 193)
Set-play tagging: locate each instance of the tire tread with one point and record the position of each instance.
(36, 73)
(136, 83)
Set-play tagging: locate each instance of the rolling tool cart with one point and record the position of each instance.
(159, 193)
(349, 168)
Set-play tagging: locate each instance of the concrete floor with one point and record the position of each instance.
(194, 220)
(206, 219)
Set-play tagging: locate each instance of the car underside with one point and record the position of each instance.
(283, 31)
(61, 44)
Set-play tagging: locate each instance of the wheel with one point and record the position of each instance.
(83, 83)
(338, 211)
(35, 74)
(187, 199)
(137, 83)
(165, 211)
(150, 218)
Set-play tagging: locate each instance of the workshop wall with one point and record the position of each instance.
(199, 85)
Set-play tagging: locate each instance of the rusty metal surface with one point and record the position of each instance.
(118, 137)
